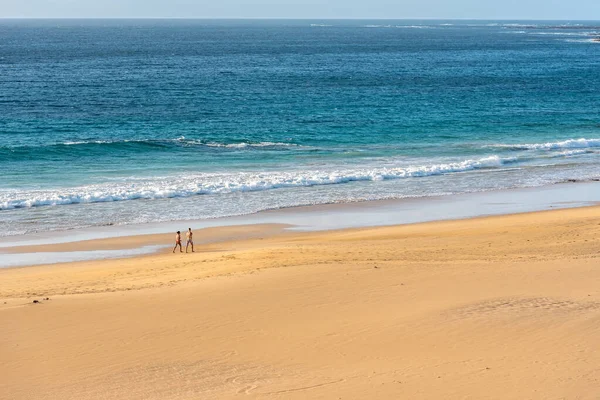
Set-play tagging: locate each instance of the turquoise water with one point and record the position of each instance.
(117, 122)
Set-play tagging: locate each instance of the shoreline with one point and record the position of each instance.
(231, 239)
(129, 240)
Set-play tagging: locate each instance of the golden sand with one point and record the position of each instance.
(490, 308)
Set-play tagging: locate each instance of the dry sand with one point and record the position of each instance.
(489, 308)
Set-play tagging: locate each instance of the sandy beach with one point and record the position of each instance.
(503, 307)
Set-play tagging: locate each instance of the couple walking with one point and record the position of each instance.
(189, 240)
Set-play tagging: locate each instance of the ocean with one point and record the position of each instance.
(110, 122)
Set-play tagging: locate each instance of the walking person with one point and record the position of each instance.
(190, 240)
(178, 242)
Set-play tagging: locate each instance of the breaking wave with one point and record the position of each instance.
(215, 183)
(141, 144)
(565, 144)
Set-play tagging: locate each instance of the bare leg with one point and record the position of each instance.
(187, 245)
(192, 247)
(174, 247)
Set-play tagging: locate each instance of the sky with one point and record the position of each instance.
(311, 9)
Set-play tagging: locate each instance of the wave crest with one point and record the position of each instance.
(181, 141)
(565, 144)
(206, 184)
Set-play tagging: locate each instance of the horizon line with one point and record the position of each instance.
(300, 19)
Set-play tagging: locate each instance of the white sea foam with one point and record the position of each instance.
(568, 153)
(219, 183)
(565, 144)
(520, 25)
(244, 144)
(238, 145)
(88, 142)
(415, 26)
(184, 141)
(564, 33)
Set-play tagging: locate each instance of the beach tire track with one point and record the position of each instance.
(298, 389)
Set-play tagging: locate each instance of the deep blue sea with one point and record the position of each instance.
(128, 121)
